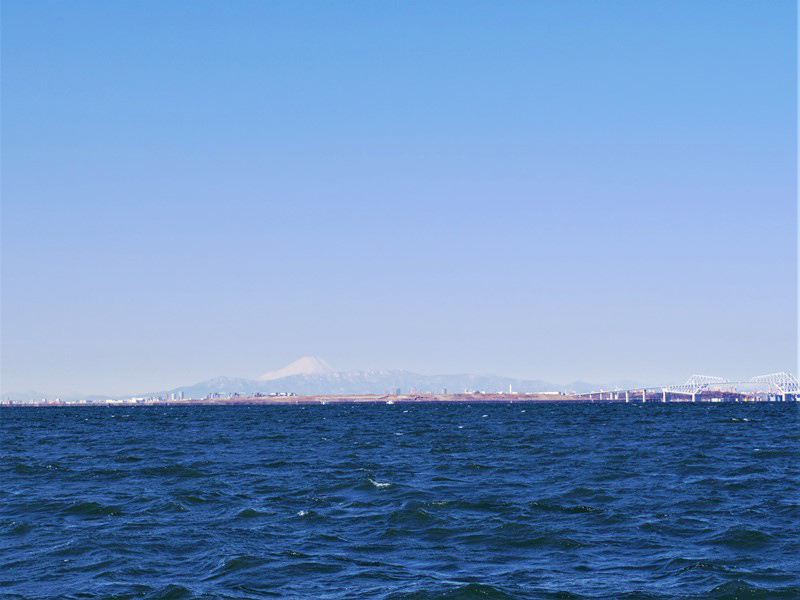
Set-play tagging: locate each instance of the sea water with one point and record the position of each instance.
(401, 501)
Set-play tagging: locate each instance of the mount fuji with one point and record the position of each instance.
(307, 365)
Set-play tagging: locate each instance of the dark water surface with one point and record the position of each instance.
(401, 501)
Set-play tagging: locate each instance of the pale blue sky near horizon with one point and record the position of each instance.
(545, 190)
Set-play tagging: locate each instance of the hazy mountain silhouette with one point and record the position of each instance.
(314, 376)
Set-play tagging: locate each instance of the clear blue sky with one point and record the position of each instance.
(554, 190)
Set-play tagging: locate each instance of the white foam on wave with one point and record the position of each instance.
(378, 484)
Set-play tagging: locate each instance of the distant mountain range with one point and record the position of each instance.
(310, 375)
(313, 376)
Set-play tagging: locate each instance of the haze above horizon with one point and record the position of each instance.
(555, 191)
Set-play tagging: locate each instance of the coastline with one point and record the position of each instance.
(464, 398)
(320, 399)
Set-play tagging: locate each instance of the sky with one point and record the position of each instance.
(553, 190)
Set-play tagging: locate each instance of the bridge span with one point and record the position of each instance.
(774, 387)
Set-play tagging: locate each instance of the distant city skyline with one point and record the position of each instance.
(557, 191)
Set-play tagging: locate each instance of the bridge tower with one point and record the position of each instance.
(785, 384)
(695, 385)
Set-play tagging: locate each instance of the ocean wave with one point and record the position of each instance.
(568, 509)
(91, 509)
(251, 513)
(743, 590)
(178, 471)
(379, 484)
(741, 537)
(566, 501)
(471, 591)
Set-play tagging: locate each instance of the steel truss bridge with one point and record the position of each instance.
(708, 388)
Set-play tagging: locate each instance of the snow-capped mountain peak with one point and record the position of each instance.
(307, 365)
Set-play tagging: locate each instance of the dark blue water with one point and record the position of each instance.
(401, 501)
